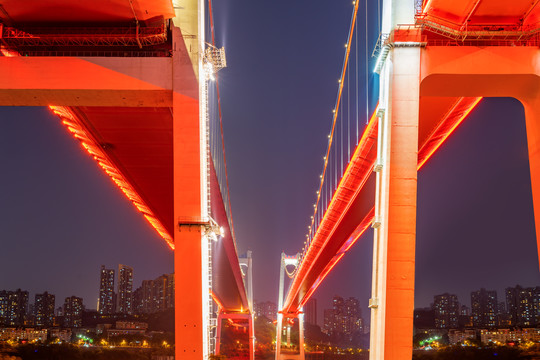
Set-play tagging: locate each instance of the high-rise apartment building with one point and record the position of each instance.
(125, 289)
(73, 311)
(446, 309)
(345, 316)
(3, 307)
(145, 297)
(523, 306)
(154, 295)
(352, 316)
(310, 311)
(44, 309)
(267, 309)
(484, 308)
(17, 305)
(106, 302)
(163, 292)
(329, 321)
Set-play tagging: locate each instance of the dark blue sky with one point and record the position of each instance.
(61, 217)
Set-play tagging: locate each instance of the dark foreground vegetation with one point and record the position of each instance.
(73, 352)
(480, 353)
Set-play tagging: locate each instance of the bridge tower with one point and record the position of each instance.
(288, 318)
(247, 274)
(421, 57)
(392, 301)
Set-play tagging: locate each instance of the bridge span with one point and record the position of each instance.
(436, 60)
(133, 81)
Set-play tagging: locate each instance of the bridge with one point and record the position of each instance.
(135, 83)
(436, 59)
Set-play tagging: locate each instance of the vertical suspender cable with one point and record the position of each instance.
(367, 73)
(221, 127)
(378, 16)
(348, 116)
(337, 164)
(357, 95)
(341, 132)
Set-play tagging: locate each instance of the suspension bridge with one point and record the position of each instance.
(135, 83)
(436, 59)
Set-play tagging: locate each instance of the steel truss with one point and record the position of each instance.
(84, 36)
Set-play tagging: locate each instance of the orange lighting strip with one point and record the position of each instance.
(455, 116)
(78, 130)
(216, 300)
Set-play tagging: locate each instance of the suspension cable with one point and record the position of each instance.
(367, 70)
(335, 115)
(221, 128)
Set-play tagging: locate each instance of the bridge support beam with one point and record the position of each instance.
(392, 300)
(532, 121)
(492, 71)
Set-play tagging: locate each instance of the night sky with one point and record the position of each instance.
(61, 217)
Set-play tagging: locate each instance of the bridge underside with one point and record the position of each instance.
(97, 11)
(138, 143)
(121, 102)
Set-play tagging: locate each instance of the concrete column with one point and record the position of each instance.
(288, 335)
(532, 121)
(251, 327)
(279, 325)
(395, 235)
(301, 334)
(396, 12)
(279, 331)
(190, 190)
(189, 324)
(218, 332)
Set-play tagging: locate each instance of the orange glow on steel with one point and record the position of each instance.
(320, 279)
(359, 148)
(436, 147)
(367, 220)
(219, 304)
(70, 121)
(341, 84)
(426, 6)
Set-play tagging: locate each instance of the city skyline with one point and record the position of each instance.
(153, 296)
(276, 161)
(108, 287)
